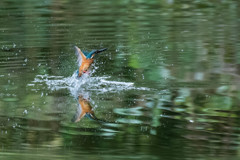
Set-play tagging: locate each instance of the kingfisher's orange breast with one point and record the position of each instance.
(86, 63)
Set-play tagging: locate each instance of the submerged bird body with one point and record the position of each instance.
(86, 59)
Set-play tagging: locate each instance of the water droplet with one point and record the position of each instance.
(25, 111)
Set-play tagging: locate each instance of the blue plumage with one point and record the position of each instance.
(90, 54)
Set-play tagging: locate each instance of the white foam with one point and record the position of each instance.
(81, 85)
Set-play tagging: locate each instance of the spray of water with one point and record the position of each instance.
(84, 84)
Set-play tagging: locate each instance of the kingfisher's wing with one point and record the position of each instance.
(89, 55)
(79, 57)
(85, 53)
(79, 114)
(91, 116)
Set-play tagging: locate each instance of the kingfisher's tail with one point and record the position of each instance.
(101, 50)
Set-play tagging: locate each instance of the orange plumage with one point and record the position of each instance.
(86, 60)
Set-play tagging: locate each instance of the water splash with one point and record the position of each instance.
(83, 84)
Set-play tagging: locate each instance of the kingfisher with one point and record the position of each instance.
(85, 59)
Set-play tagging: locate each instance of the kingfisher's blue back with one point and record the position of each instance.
(90, 54)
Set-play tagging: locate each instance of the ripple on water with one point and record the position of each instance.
(135, 111)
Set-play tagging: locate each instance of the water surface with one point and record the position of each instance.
(166, 88)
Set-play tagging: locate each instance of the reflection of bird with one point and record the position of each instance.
(84, 109)
(85, 59)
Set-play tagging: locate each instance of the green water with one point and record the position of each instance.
(166, 88)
